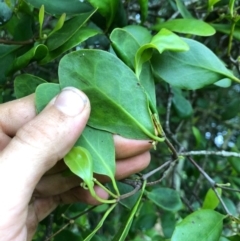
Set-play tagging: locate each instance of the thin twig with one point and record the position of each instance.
(11, 42)
(208, 153)
(169, 106)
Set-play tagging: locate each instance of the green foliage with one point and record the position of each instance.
(167, 73)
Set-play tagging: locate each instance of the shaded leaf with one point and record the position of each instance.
(69, 28)
(192, 70)
(183, 10)
(61, 6)
(5, 12)
(165, 198)
(211, 201)
(226, 28)
(231, 110)
(168, 222)
(187, 26)
(181, 104)
(107, 9)
(44, 94)
(202, 225)
(26, 84)
(144, 9)
(109, 88)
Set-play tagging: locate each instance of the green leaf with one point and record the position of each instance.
(198, 136)
(59, 24)
(202, 225)
(101, 146)
(181, 104)
(165, 198)
(26, 84)
(110, 88)
(44, 94)
(144, 9)
(211, 201)
(89, 237)
(226, 28)
(162, 41)
(61, 6)
(107, 8)
(68, 30)
(231, 110)
(80, 36)
(79, 161)
(231, 7)
(187, 26)
(234, 238)
(183, 10)
(41, 19)
(7, 56)
(168, 222)
(211, 3)
(224, 83)
(123, 231)
(36, 53)
(192, 69)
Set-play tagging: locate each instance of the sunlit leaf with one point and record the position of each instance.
(202, 225)
(41, 19)
(187, 26)
(59, 24)
(211, 201)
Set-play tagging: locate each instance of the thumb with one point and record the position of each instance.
(40, 143)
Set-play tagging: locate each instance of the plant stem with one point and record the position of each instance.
(11, 42)
(104, 188)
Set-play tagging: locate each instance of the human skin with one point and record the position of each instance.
(32, 147)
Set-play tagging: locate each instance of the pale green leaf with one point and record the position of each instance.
(211, 200)
(59, 24)
(183, 10)
(41, 19)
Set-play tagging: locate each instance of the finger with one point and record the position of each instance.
(16, 113)
(39, 144)
(61, 184)
(128, 148)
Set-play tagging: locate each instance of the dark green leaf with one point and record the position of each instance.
(168, 222)
(192, 70)
(181, 104)
(202, 225)
(187, 26)
(123, 231)
(67, 234)
(211, 201)
(234, 238)
(107, 8)
(118, 112)
(166, 198)
(231, 110)
(226, 28)
(36, 53)
(61, 6)
(145, 221)
(80, 36)
(44, 94)
(26, 84)
(68, 30)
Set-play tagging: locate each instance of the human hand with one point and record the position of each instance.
(31, 180)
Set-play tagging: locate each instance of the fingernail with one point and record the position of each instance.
(70, 101)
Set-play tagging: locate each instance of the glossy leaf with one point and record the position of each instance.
(183, 10)
(26, 84)
(59, 24)
(162, 41)
(68, 30)
(181, 104)
(36, 53)
(192, 70)
(44, 94)
(79, 161)
(123, 231)
(166, 198)
(80, 36)
(89, 237)
(187, 26)
(112, 111)
(144, 9)
(107, 8)
(211, 201)
(101, 146)
(202, 225)
(61, 6)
